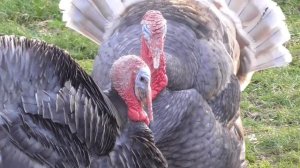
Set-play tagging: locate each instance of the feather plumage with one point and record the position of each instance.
(249, 35)
(52, 114)
(264, 24)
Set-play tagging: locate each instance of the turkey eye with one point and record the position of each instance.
(143, 77)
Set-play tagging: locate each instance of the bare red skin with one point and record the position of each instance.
(135, 110)
(158, 76)
(123, 76)
(156, 23)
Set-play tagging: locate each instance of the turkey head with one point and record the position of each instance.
(131, 79)
(154, 28)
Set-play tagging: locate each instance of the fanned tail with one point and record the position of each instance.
(262, 23)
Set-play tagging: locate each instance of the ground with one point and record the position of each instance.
(270, 105)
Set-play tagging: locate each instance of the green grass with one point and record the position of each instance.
(270, 105)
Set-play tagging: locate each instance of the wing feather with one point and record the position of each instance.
(45, 96)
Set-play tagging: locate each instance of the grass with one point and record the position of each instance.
(270, 105)
(41, 19)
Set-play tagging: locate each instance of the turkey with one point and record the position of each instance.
(52, 114)
(211, 47)
(254, 31)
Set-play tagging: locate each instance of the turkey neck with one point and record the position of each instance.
(159, 79)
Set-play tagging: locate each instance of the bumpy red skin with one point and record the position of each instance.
(158, 76)
(156, 23)
(135, 110)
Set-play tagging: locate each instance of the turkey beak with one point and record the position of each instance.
(145, 96)
(147, 104)
(143, 92)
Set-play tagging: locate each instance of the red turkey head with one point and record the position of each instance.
(154, 28)
(131, 77)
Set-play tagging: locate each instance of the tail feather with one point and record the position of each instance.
(279, 35)
(269, 19)
(130, 2)
(274, 57)
(110, 8)
(93, 18)
(263, 24)
(89, 30)
(85, 18)
(237, 5)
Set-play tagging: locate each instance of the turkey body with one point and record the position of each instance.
(196, 54)
(203, 92)
(194, 138)
(209, 56)
(52, 114)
